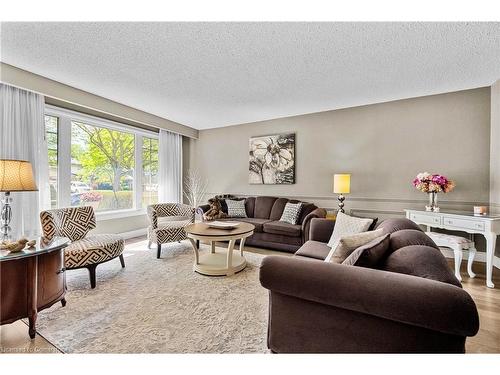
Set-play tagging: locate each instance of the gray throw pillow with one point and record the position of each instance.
(236, 208)
(291, 213)
(369, 255)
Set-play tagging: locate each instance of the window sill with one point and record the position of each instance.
(110, 215)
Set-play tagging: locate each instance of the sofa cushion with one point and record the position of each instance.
(347, 244)
(278, 207)
(263, 207)
(250, 206)
(258, 223)
(346, 225)
(285, 229)
(236, 208)
(369, 255)
(291, 213)
(314, 249)
(394, 225)
(421, 261)
(408, 237)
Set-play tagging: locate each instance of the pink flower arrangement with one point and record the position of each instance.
(433, 183)
(91, 197)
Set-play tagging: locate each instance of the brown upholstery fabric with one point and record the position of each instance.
(422, 261)
(275, 242)
(369, 255)
(408, 237)
(307, 208)
(393, 296)
(321, 229)
(393, 225)
(263, 207)
(285, 229)
(314, 249)
(258, 223)
(250, 206)
(278, 207)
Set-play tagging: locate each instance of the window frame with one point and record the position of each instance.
(65, 117)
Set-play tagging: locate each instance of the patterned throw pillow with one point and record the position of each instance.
(346, 225)
(236, 208)
(291, 213)
(347, 245)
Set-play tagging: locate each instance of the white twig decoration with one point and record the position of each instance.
(195, 188)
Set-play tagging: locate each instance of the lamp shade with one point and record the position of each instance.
(16, 175)
(342, 183)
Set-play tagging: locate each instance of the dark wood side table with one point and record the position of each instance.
(32, 280)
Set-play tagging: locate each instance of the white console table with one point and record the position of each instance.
(487, 226)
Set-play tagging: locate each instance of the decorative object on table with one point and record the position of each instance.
(15, 175)
(215, 210)
(272, 159)
(15, 246)
(341, 186)
(331, 215)
(223, 224)
(31, 243)
(433, 184)
(480, 210)
(195, 188)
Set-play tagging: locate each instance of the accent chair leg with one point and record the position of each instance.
(158, 251)
(122, 261)
(63, 302)
(91, 269)
(149, 244)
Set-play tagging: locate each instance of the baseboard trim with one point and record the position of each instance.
(134, 233)
(480, 256)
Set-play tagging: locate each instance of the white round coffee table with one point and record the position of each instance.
(219, 262)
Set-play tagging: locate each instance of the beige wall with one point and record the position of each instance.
(383, 145)
(495, 148)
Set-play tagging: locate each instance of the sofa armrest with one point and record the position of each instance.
(200, 210)
(402, 298)
(306, 223)
(321, 229)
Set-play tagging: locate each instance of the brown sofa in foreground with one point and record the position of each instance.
(270, 233)
(320, 307)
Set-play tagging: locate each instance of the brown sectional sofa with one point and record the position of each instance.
(410, 302)
(264, 213)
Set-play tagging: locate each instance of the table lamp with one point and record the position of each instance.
(341, 185)
(15, 175)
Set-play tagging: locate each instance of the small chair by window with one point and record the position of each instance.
(84, 251)
(167, 223)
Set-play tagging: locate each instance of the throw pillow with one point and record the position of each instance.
(291, 213)
(236, 208)
(346, 225)
(347, 244)
(369, 255)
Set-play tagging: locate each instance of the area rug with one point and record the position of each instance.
(160, 306)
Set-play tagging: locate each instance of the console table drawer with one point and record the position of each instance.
(465, 224)
(425, 219)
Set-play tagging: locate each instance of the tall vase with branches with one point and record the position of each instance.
(195, 187)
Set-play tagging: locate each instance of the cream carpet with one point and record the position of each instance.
(160, 306)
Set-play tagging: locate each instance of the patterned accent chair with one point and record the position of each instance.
(168, 221)
(84, 251)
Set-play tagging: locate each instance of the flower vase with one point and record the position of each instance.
(432, 202)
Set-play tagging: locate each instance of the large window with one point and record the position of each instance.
(149, 171)
(51, 125)
(100, 163)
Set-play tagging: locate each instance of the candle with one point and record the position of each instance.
(480, 210)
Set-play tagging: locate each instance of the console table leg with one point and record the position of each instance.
(491, 239)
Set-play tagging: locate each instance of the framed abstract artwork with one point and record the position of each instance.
(272, 159)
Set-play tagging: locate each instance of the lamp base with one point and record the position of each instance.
(6, 217)
(341, 199)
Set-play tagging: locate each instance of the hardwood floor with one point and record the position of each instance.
(14, 337)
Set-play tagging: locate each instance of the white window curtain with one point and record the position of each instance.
(170, 164)
(22, 137)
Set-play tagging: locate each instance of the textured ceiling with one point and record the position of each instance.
(208, 75)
